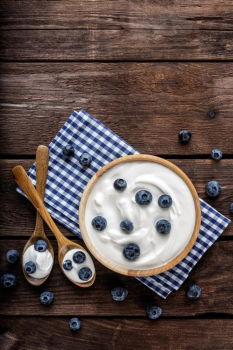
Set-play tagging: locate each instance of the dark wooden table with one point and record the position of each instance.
(147, 69)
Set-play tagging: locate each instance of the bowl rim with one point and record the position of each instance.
(136, 272)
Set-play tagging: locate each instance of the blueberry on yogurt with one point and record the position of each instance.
(79, 257)
(143, 197)
(12, 256)
(30, 267)
(67, 265)
(8, 280)
(131, 251)
(99, 223)
(126, 226)
(85, 273)
(85, 159)
(163, 226)
(120, 184)
(40, 245)
(165, 201)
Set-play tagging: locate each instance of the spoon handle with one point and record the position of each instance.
(26, 185)
(42, 159)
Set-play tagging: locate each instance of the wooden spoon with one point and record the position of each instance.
(42, 158)
(64, 244)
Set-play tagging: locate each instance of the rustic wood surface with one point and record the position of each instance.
(147, 69)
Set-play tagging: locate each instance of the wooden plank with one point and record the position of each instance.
(146, 103)
(144, 14)
(212, 273)
(116, 44)
(18, 215)
(115, 334)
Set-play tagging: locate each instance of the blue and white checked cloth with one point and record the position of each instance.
(67, 180)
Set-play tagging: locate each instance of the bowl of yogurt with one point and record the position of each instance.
(140, 215)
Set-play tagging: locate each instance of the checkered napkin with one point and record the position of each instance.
(67, 180)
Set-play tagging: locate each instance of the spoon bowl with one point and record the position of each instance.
(64, 244)
(42, 158)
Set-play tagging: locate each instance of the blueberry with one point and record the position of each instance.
(231, 208)
(30, 267)
(165, 201)
(8, 280)
(131, 251)
(154, 312)
(68, 151)
(163, 226)
(40, 245)
(46, 298)
(216, 154)
(99, 223)
(119, 293)
(79, 257)
(194, 292)
(85, 159)
(213, 189)
(126, 226)
(185, 136)
(67, 265)
(12, 256)
(143, 197)
(85, 273)
(74, 324)
(120, 184)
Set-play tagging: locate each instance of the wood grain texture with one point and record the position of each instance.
(18, 216)
(211, 274)
(116, 45)
(144, 14)
(115, 334)
(146, 103)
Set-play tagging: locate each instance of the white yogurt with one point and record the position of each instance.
(156, 249)
(73, 273)
(43, 261)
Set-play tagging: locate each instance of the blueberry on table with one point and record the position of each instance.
(194, 292)
(153, 312)
(213, 189)
(79, 257)
(231, 208)
(165, 201)
(12, 256)
(163, 226)
(143, 197)
(185, 136)
(131, 251)
(74, 324)
(8, 280)
(119, 293)
(120, 184)
(85, 159)
(85, 273)
(40, 245)
(216, 154)
(68, 151)
(67, 265)
(99, 223)
(30, 267)
(46, 298)
(126, 226)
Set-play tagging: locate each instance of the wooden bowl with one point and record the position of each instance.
(99, 255)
